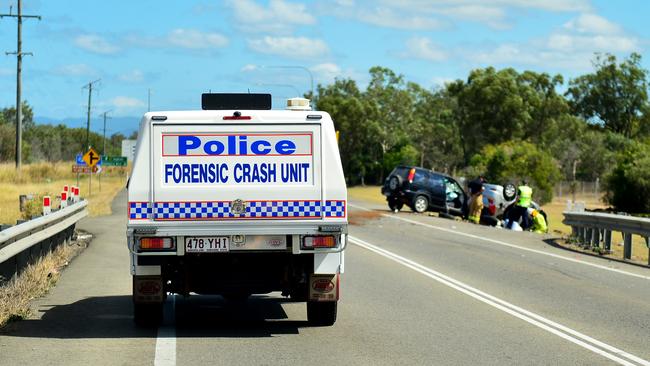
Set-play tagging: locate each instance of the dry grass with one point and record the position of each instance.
(367, 193)
(554, 212)
(35, 281)
(48, 179)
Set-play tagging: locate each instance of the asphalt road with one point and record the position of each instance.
(417, 290)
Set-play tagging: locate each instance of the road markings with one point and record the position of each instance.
(166, 339)
(507, 244)
(560, 330)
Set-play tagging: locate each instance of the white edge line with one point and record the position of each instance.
(508, 244)
(509, 308)
(166, 340)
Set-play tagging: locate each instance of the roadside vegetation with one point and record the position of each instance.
(504, 124)
(42, 179)
(35, 281)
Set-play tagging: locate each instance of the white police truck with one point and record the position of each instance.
(237, 199)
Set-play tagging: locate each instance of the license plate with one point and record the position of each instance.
(207, 244)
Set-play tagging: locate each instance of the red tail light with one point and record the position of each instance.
(411, 175)
(309, 242)
(492, 209)
(156, 243)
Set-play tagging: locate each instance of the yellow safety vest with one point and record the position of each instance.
(525, 196)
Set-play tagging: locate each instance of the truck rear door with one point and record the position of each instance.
(236, 172)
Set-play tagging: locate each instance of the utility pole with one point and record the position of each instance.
(105, 117)
(149, 100)
(19, 66)
(90, 93)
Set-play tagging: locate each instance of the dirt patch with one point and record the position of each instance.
(360, 217)
(37, 279)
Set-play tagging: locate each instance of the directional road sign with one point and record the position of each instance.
(113, 160)
(91, 157)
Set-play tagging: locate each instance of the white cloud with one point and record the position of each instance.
(96, 44)
(180, 38)
(389, 18)
(249, 67)
(278, 17)
(435, 14)
(194, 39)
(291, 47)
(75, 70)
(326, 71)
(133, 76)
(424, 49)
(122, 102)
(592, 23)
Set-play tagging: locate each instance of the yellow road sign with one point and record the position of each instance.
(91, 157)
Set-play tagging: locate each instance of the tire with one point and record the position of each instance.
(148, 315)
(395, 205)
(509, 192)
(394, 183)
(321, 313)
(420, 204)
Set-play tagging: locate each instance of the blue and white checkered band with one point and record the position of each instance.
(222, 210)
(140, 210)
(334, 209)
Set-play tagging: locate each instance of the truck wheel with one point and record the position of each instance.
(147, 315)
(420, 204)
(321, 313)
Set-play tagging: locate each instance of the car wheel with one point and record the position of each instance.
(420, 204)
(394, 183)
(509, 192)
(395, 205)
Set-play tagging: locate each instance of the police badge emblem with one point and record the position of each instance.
(238, 207)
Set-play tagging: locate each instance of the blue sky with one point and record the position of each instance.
(179, 49)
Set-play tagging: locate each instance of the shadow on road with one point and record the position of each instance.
(199, 316)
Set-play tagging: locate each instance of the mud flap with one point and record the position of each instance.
(323, 287)
(147, 289)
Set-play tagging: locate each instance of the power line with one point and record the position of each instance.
(19, 65)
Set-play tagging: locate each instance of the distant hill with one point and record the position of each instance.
(123, 125)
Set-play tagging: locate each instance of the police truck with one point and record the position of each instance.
(237, 199)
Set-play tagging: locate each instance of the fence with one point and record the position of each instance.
(588, 190)
(22, 244)
(592, 229)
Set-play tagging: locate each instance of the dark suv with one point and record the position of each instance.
(422, 189)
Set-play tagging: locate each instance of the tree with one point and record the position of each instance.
(516, 160)
(628, 185)
(8, 115)
(497, 106)
(614, 96)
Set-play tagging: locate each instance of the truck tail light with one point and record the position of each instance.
(156, 243)
(411, 175)
(311, 242)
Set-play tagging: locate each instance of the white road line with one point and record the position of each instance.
(166, 339)
(507, 244)
(560, 330)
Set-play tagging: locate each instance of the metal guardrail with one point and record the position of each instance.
(592, 229)
(23, 243)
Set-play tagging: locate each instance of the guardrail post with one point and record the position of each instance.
(595, 237)
(607, 240)
(589, 232)
(627, 246)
